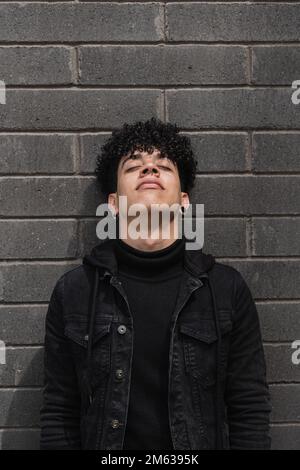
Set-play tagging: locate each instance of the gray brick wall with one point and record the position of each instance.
(75, 70)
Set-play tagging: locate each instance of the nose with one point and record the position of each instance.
(151, 169)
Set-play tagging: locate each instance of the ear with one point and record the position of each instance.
(185, 201)
(113, 202)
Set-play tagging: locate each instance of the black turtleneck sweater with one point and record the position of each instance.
(151, 282)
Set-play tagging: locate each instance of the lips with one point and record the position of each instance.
(149, 184)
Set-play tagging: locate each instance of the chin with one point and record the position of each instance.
(151, 200)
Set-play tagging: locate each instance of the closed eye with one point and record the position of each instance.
(165, 167)
(160, 166)
(133, 167)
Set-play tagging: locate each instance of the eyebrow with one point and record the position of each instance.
(138, 155)
(130, 156)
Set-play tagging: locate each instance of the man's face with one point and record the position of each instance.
(136, 170)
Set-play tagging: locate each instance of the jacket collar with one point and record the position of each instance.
(103, 256)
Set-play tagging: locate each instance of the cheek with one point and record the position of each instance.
(172, 184)
(125, 185)
(174, 177)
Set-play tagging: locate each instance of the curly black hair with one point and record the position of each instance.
(147, 136)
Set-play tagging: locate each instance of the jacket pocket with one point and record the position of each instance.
(101, 349)
(199, 341)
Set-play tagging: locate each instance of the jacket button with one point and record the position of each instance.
(119, 373)
(115, 423)
(122, 329)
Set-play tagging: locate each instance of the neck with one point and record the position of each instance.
(156, 238)
(158, 264)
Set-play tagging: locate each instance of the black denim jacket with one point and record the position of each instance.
(218, 394)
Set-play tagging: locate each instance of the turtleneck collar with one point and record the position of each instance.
(156, 265)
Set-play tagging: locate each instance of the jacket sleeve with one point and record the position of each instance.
(247, 393)
(60, 411)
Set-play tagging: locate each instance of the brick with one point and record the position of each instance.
(246, 195)
(218, 152)
(276, 152)
(90, 145)
(279, 321)
(36, 65)
(20, 407)
(40, 239)
(276, 236)
(285, 402)
(34, 154)
(225, 22)
(30, 282)
(233, 108)
(271, 279)
(24, 367)
(21, 324)
(43, 196)
(275, 65)
(62, 22)
(280, 367)
(225, 237)
(20, 439)
(285, 436)
(76, 109)
(163, 65)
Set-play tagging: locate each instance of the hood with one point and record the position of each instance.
(103, 257)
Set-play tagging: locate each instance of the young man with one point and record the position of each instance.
(149, 345)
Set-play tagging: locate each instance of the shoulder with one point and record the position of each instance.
(229, 281)
(75, 280)
(226, 273)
